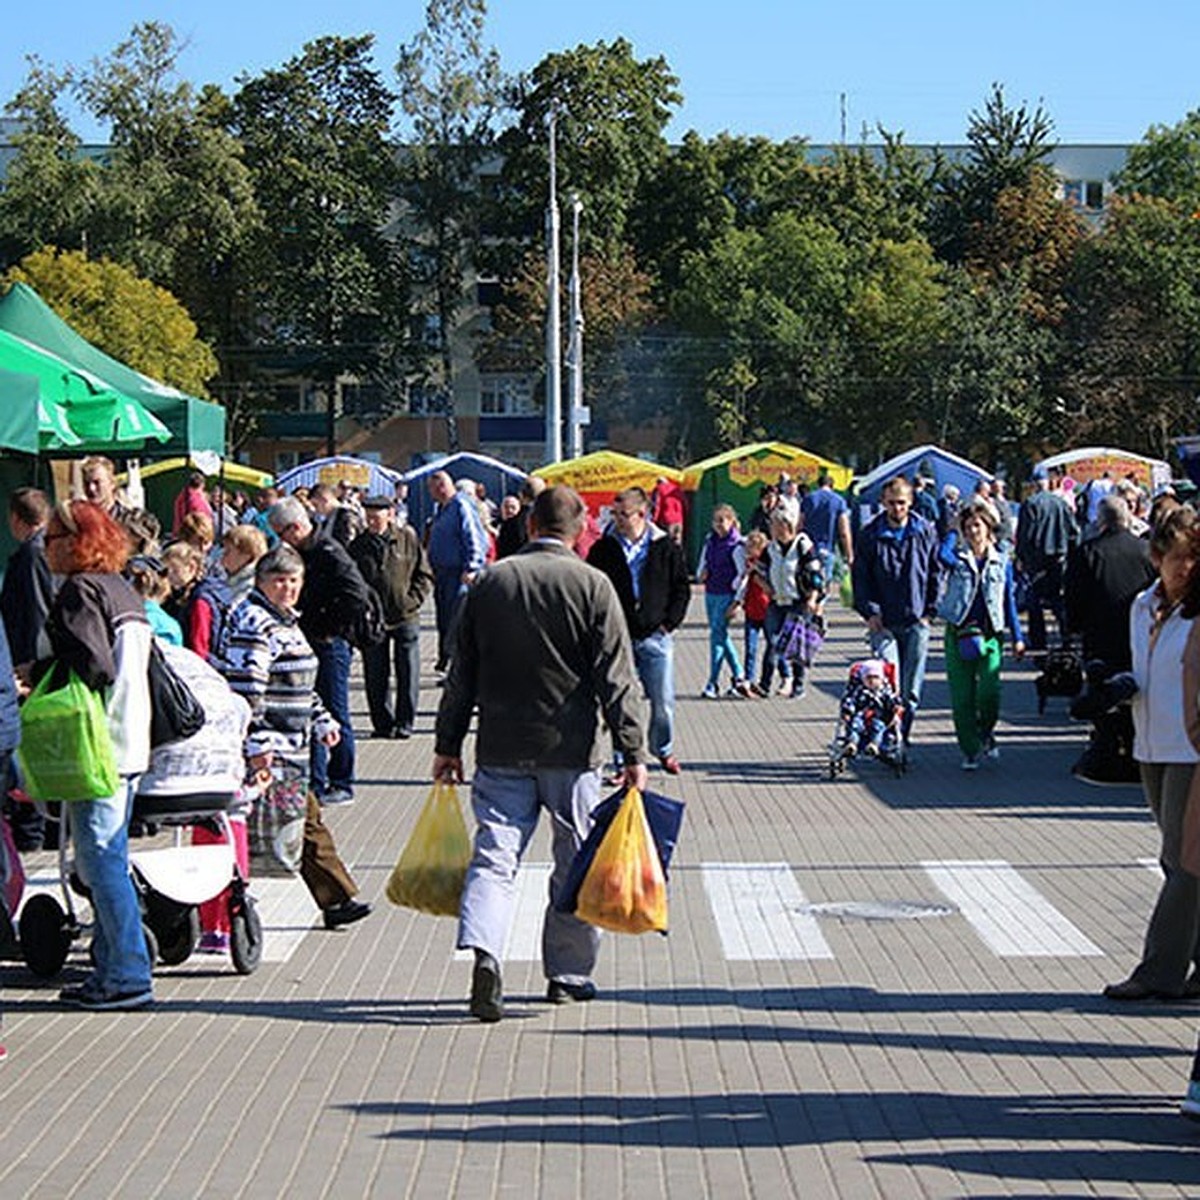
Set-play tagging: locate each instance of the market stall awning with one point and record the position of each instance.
(192, 423)
(932, 462)
(234, 474)
(21, 413)
(763, 462)
(359, 472)
(603, 473)
(1092, 462)
(99, 417)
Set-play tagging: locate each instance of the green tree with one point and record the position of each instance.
(1166, 164)
(49, 188)
(450, 89)
(1006, 146)
(611, 112)
(330, 282)
(126, 316)
(1131, 364)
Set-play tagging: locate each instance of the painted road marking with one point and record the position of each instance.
(1012, 917)
(756, 909)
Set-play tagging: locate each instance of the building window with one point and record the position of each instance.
(424, 400)
(506, 395)
(285, 460)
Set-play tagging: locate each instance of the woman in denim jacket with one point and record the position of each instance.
(978, 605)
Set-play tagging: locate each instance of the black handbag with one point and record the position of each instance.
(175, 711)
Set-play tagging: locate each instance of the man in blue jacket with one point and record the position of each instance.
(896, 586)
(458, 547)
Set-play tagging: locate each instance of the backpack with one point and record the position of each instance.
(220, 600)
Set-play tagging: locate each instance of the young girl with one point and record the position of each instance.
(754, 597)
(797, 586)
(722, 564)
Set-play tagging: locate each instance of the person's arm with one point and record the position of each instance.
(680, 587)
(80, 636)
(461, 688)
(200, 626)
(420, 584)
(1011, 616)
(614, 678)
(845, 537)
(474, 537)
(865, 603)
(933, 576)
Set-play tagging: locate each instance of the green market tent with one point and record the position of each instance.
(193, 424)
(21, 412)
(736, 477)
(98, 418)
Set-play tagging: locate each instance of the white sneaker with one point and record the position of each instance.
(1190, 1106)
(970, 763)
(710, 693)
(990, 749)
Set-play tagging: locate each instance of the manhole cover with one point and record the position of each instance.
(879, 910)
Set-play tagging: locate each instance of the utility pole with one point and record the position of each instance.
(578, 415)
(553, 332)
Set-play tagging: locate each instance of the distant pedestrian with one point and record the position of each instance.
(896, 580)
(649, 572)
(458, 551)
(721, 567)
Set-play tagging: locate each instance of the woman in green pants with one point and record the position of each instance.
(978, 606)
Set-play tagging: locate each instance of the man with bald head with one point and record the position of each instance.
(458, 547)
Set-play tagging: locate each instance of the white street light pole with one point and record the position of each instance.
(579, 416)
(553, 332)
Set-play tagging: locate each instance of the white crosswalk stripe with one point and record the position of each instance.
(755, 906)
(1011, 916)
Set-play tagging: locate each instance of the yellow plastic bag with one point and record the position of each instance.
(625, 889)
(433, 864)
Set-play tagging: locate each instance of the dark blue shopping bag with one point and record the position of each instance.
(665, 817)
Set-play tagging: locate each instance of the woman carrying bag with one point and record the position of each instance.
(978, 606)
(97, 629)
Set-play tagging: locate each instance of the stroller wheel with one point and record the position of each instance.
(177, 942)
(45, 935)
(245, 936)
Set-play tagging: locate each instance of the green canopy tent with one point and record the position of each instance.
(22, 413)
(98, 418)
(193, 424)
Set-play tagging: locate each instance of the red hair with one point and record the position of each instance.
(98, 543)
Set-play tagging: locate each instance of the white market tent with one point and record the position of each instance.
(1091, 462)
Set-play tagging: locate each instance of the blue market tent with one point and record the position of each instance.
(930, 461)
(339, 467)
(499, 478)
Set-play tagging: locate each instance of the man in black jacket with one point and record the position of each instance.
(1104, 574)
(332, 602)
(541, 650)
(651, 577)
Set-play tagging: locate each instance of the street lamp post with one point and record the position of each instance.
(553, 332)
(578, 415)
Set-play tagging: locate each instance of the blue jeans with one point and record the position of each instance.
(754, 634)
(448, 593)
(334, 768)
(506, 802)
(907, 646)
(654, 658)
(720, 643)
(100, 829)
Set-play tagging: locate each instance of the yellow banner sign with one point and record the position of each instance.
(754, 472)
(358, 474)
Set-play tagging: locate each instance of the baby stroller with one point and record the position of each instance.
(171, 884)
(866, 728)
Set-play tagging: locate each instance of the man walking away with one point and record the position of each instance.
(1046, 532)
(541, 648)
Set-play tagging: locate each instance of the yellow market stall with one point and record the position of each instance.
(599, 476)
(736, 476)
(163, 481)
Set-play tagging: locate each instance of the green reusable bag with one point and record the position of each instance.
(66, 751)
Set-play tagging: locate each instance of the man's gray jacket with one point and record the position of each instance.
(542, 648)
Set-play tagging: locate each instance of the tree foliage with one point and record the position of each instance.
(126, 316)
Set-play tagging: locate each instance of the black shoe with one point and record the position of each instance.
(402, 732)
(487, 994)
(345, 913)
(560, 992)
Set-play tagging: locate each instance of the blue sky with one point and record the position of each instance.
(1104, 71)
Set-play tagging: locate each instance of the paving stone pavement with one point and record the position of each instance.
(768, 1047)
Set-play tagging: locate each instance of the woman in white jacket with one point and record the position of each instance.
(1166, 668)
